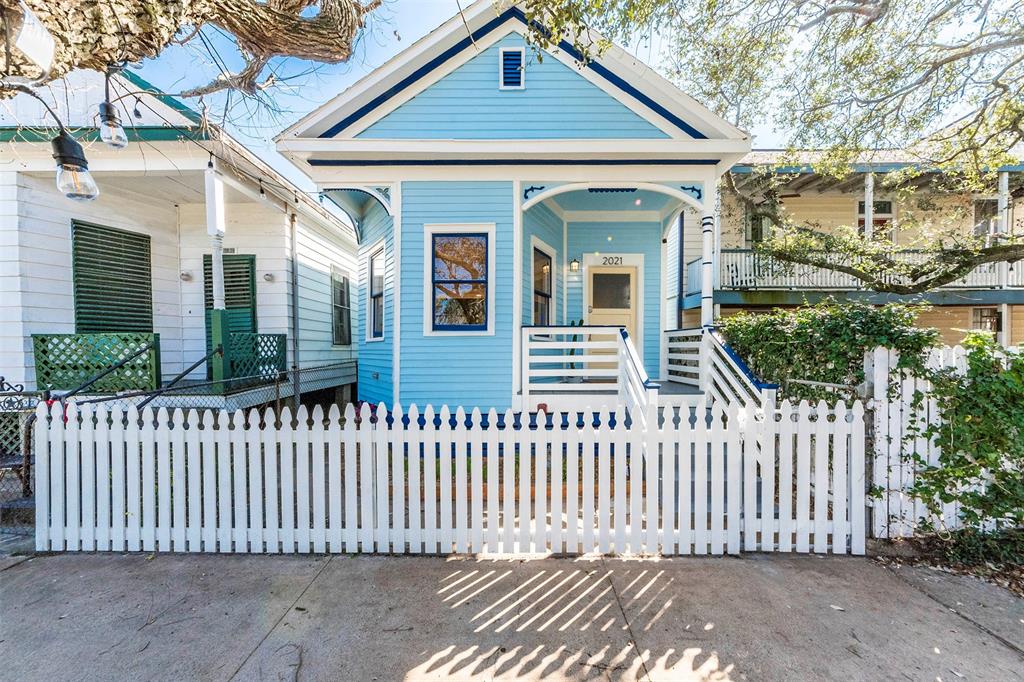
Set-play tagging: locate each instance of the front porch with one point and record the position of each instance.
(602, 267)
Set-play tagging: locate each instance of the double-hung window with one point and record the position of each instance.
(541, 287)
(986, 215)
(376, 307)
(341, 309)
(459, 281)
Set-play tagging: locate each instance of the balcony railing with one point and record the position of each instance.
(66, 361)
(748, 270)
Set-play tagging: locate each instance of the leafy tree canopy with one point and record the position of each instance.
(942, 81)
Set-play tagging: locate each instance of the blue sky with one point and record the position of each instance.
(389, 31)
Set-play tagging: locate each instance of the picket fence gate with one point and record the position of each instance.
(902, 407)
(703, 481)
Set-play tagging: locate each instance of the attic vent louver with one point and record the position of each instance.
(511, 69)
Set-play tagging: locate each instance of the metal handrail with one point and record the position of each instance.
(218, 350)
(145, 349)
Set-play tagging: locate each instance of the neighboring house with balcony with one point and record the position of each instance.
(990, 298)
(134, 273)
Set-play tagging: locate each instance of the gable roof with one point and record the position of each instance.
(620, 74)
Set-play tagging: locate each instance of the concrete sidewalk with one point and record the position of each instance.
(759, 617)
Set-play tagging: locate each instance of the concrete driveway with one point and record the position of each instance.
(98, 617)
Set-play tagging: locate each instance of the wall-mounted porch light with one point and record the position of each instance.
(574, 265)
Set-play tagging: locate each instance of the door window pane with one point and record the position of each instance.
(611, 290)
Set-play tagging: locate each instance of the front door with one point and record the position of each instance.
(612, 296)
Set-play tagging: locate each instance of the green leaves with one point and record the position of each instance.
(980, 437)
(824, 343)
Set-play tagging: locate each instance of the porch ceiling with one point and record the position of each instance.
(613, 200)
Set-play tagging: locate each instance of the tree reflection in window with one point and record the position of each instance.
(460, 281)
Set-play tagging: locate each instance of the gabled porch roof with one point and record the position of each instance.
(329, 138)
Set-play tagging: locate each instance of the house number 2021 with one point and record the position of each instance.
(611, 260)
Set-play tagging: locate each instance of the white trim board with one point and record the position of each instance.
(429, 230)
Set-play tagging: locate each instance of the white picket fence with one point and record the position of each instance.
(220, 482)
(896, 512)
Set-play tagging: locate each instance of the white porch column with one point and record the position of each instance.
(707, 263)
(869, 205)
(215, 229)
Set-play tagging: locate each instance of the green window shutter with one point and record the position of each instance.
(112, 278)
(239, 292)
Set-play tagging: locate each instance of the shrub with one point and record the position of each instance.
(825, 343)
(980, 437)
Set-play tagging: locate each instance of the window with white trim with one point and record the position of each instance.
(512, 68)
(986, 213)
(459, 281)
(375, 323)
(341, 308)
(542, 287)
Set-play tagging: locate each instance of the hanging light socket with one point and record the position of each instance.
(73, 177)
(111, 131)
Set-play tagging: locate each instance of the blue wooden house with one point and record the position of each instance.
(519, 217)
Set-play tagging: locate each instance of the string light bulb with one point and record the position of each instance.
(111, 131)
(73, 177)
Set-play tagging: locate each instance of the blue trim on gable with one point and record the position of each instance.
(511, 162)
(490, 26)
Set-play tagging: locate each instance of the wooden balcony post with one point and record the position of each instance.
(1003, 227)
(869, 205)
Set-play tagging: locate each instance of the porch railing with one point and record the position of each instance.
(65, 361)
(728, 379)
(257, 356)
(746, 269)
(570, 366)
(683, 356)
(637, 393)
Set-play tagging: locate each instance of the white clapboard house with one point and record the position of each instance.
(199, 275)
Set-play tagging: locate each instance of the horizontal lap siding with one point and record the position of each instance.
(542, 223)
(41, 235)
(627, 238)
(376, 357)
(557, 102)
(318, 249)
(457, 370)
